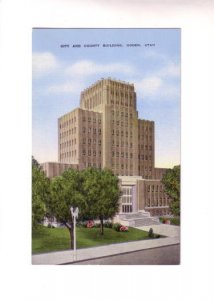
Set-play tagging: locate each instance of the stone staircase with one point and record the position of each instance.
(140, 219)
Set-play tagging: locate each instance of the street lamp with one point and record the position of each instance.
(74, 214)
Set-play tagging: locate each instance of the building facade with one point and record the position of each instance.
(139, 194)
(105, 132)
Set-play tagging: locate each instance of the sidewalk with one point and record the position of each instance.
(163, 229)
(63, 257)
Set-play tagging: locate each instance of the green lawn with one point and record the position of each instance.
(53, 239)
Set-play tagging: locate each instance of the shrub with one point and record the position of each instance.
(151, 233)
(123, 228)
(175, 221)
(157, 236)
(117, 226)
(90, 224)
(50, 226)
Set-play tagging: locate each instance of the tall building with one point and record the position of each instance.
(105, 132)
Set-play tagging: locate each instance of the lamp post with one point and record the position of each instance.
(74, 214)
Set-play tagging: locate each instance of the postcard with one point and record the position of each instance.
(106, 146)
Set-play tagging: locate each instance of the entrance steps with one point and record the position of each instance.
(139, 219)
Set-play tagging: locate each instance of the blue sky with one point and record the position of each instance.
(60, 74)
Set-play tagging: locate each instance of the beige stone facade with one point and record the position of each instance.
(80, 138)
(106, 132)
(53, 169)
(141, 194)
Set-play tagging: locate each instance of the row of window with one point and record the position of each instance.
(68, 132)
(117, 102)
(126, 208)
(68, 143)
(154, 188)
(122, 154)
(125, 114)
(121, 133)
(147, 137)
(145, 128)
(127, 144)
(144, 157)
(90, 141)
(127, 191)
(121, 94)
(67, 123)
(159, 203)
(89, 119)
(90, 152)
(90, 130)
(122, 166)
(95, 165)
(121, 124)
(145, 147)
(144, 168)
(68, 154)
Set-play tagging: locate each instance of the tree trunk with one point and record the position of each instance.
(101, 226)
(70, 228)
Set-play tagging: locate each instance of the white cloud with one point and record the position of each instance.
(67, 87)
(87, 67)
(43, 63)
(159, 85)
(149, 86)
(157, 88)
(171, 70)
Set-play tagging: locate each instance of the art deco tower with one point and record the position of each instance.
(106, 132)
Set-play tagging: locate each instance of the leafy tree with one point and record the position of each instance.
(66, 191)
(40, 193)
(171, 182)
(101, 189)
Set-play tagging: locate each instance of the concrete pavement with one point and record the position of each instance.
(163, 229)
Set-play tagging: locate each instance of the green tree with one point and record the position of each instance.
(67, 191)
(171, 182)
(102, 192)
(40, 193)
